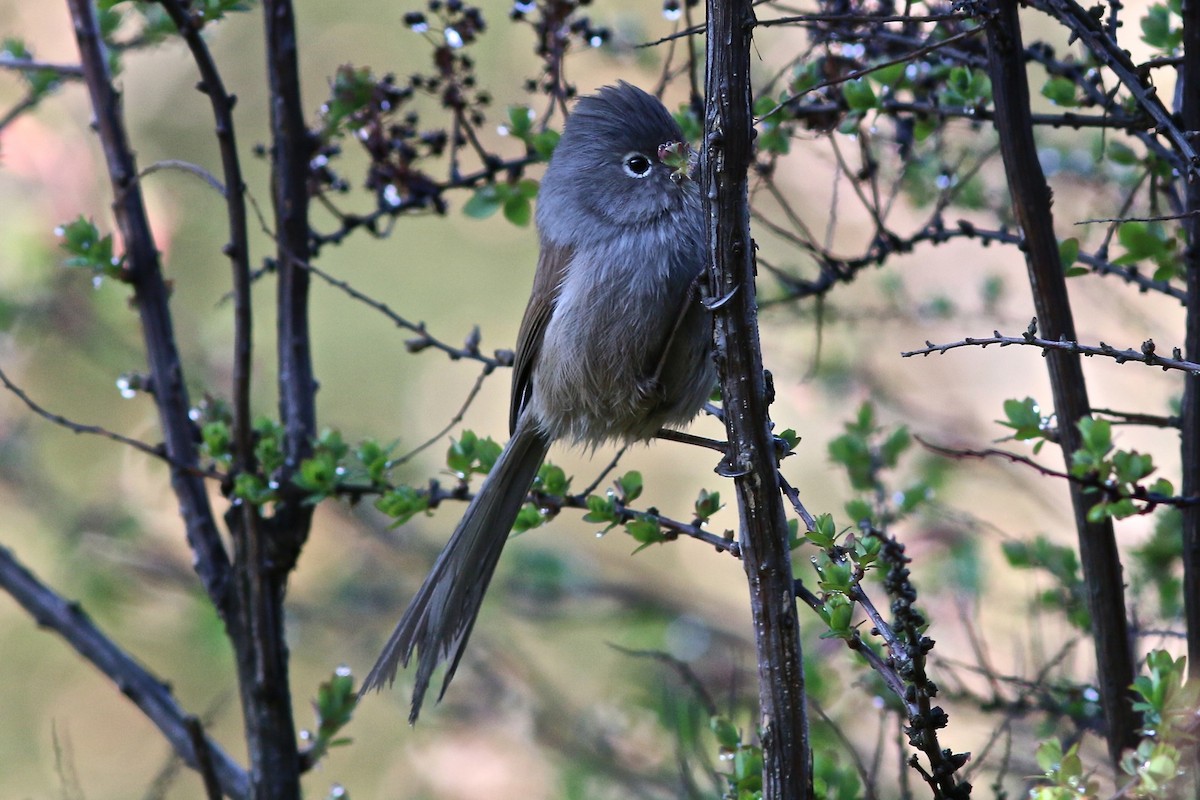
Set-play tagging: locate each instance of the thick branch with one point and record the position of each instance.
(1031, 201)
(1190, 435)
(147, 692)
(291, 148)
(150, 291)
(751, 458)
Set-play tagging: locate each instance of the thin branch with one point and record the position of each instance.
(1152, 499)
(457, 418)
(13, 114)
(155, 451)
(185, 166)
(502, 358)
(33, 65)
(604, 473)
(865, 20)
(1160, 218)
(681, 668)
(1136, 418)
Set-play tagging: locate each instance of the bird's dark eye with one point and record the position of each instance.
(637, 165)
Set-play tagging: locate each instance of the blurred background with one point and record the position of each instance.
(544, 706)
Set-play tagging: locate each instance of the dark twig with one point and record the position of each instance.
(848, 747)
(1134, 418)
(604, 473)
(835, 270)
(1159, 218)
(25, 104)
(195, 729)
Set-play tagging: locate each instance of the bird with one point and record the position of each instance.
(614, 345)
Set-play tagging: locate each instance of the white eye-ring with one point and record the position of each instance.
(636, 165)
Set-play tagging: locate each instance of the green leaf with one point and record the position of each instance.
(334, 707)
(518, 210)
(527, 188)
(859, 511)
(824, 532)
(544, 143)
(351, 94)
(268, 450)
(402, 504)
(87, 249)
(859, 94)
(707, 504)
(374, 459)
(726, 732)
(601, 509)
(895, 445)
(528, 518)
(217, 440)
(1131, 466)
(552, 481)
(1025, 418)
(1068, 253)
(318, 476)
(252, 489)
(1158, 30)
(966, 87)
(1119, 153)
(646, 531)
(1097, 435)
(485, 202)
(520, 121)
(1149, 241)
(630, 486)
(1061, 92)
(470, 454)
(889, 75)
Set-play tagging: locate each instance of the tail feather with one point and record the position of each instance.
(439, 619)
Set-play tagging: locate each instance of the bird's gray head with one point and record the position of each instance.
(621, 162)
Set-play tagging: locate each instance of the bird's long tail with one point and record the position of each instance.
(439, 619)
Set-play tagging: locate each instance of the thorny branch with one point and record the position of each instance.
(1145, 355)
